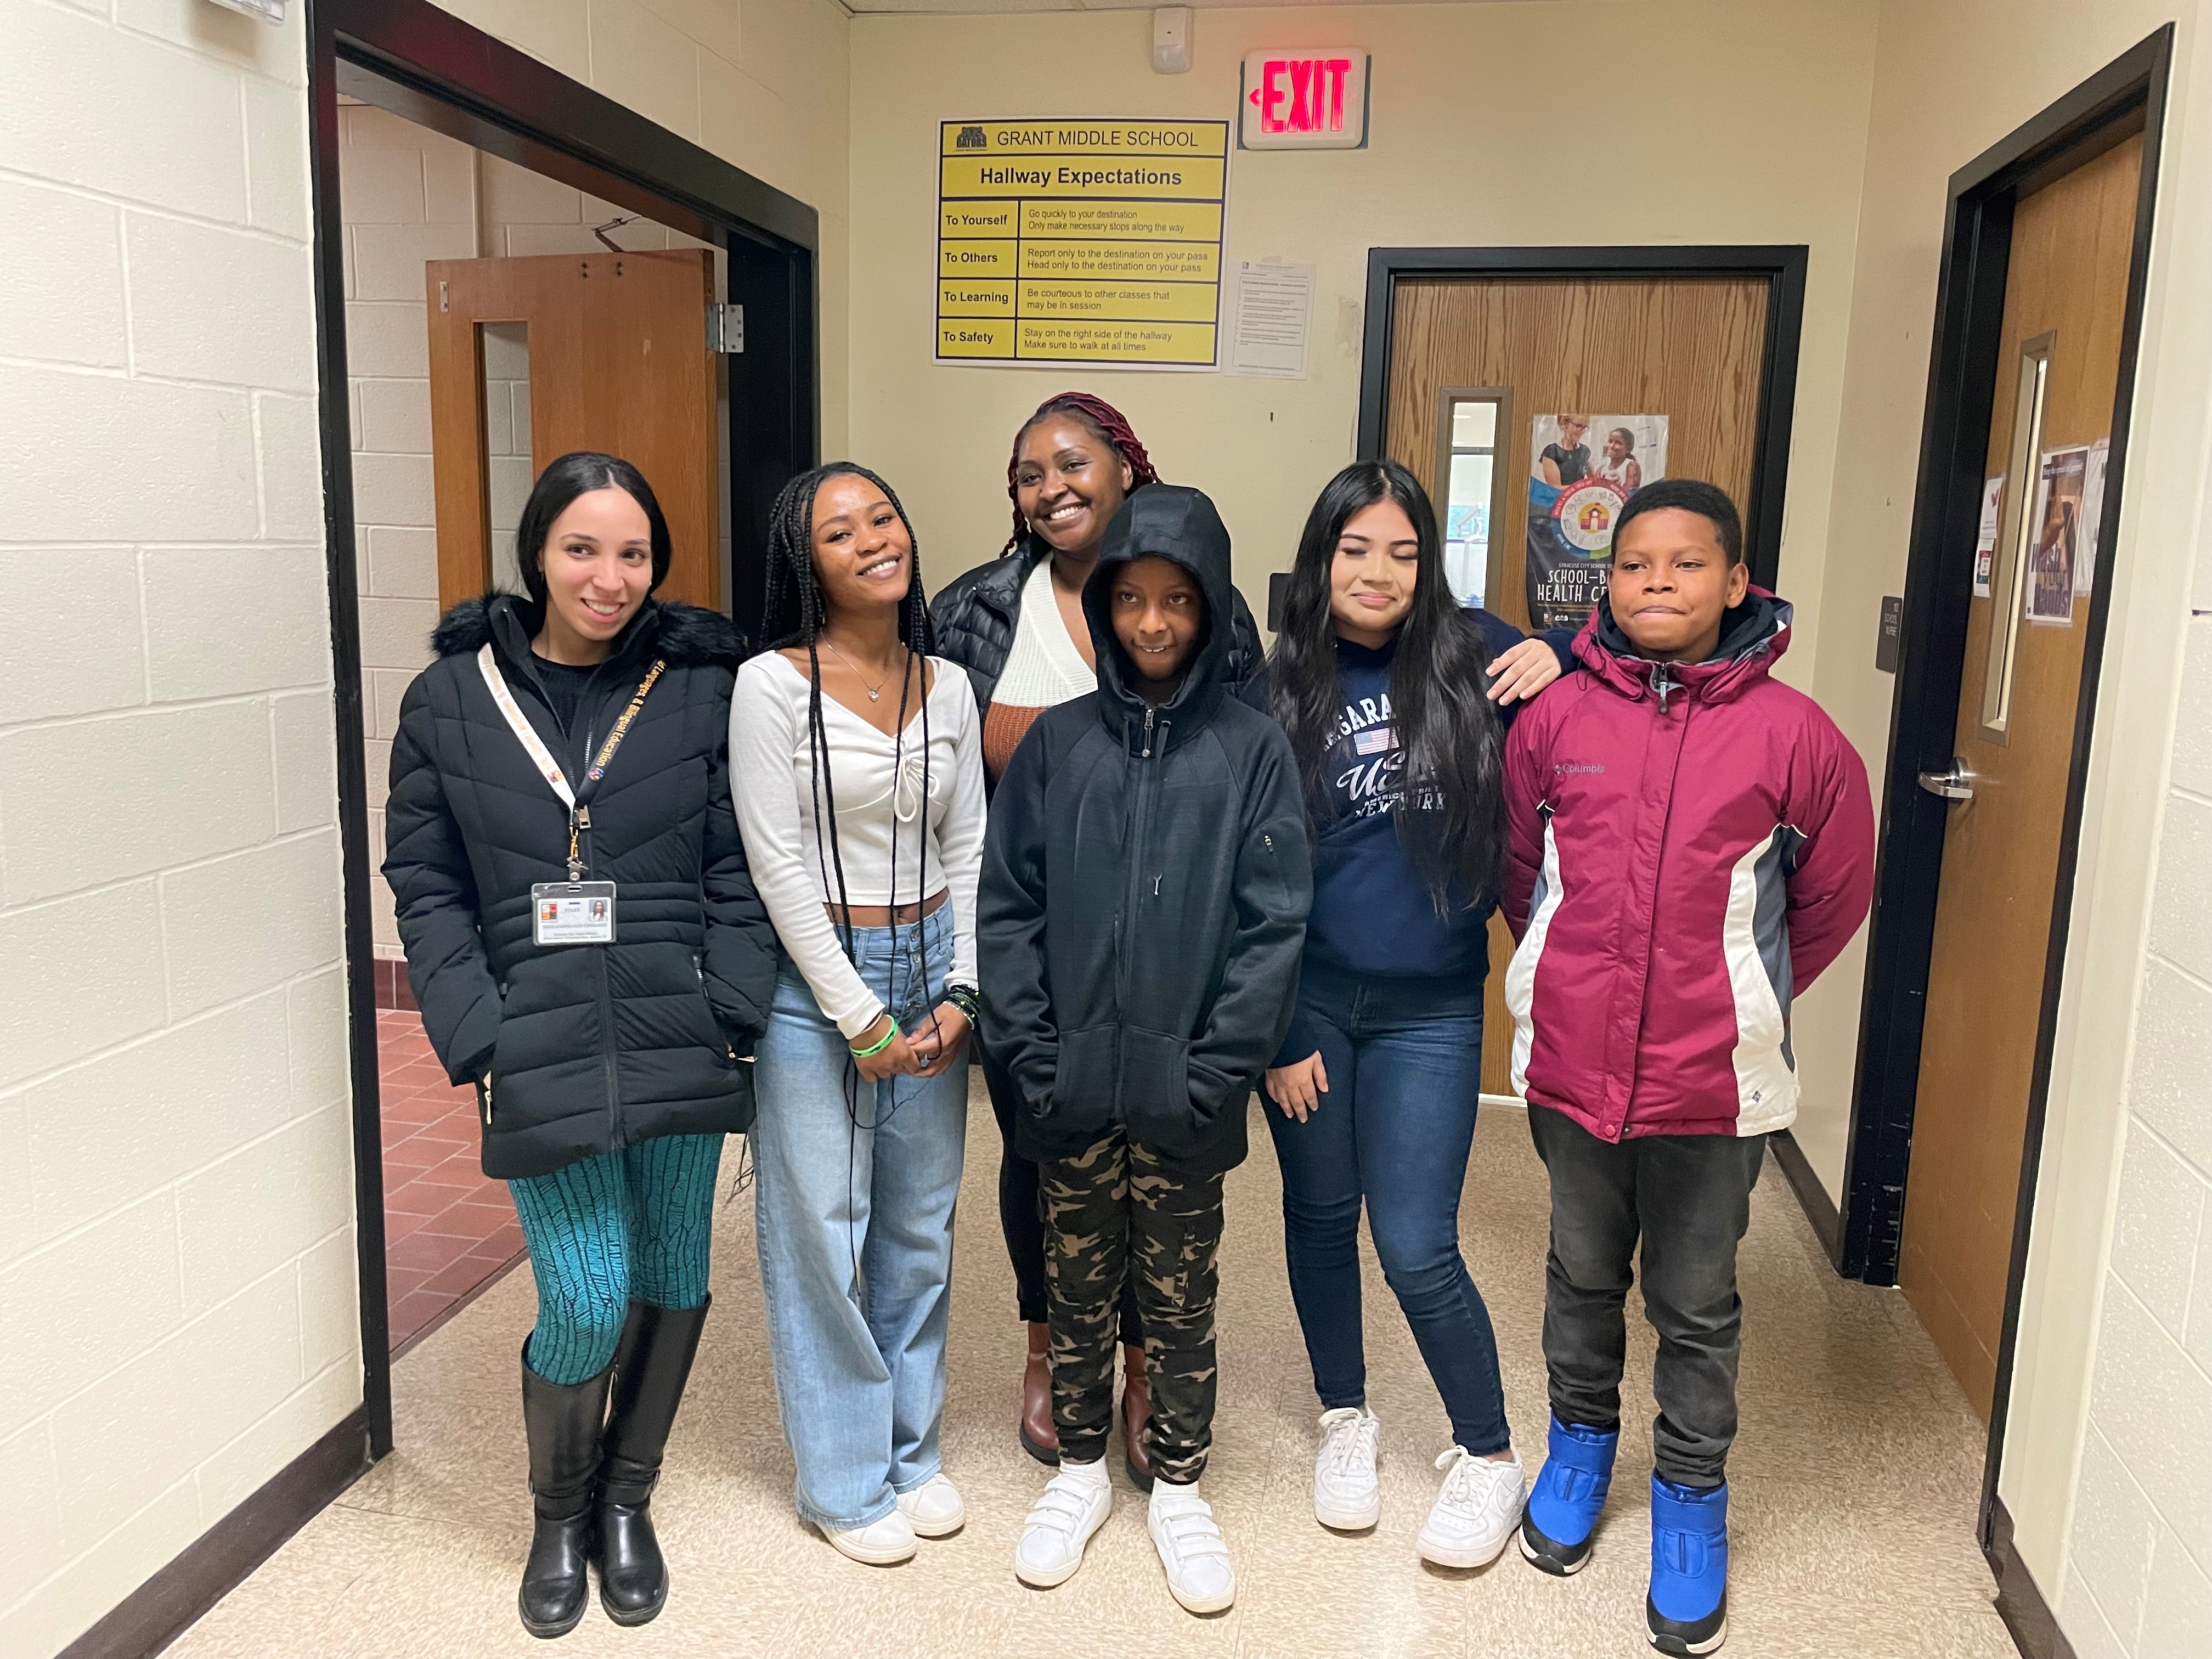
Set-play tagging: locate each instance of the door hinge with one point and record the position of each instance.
(725, 328)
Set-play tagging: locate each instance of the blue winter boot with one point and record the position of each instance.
(1687, 1609)
(1570, 1492)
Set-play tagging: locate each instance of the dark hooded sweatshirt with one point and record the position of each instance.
(591, 1048)
(1146, 882)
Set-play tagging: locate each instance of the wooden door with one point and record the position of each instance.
(1692, 349)
(2065, 300)
(618, 363)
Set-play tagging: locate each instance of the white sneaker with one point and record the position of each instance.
(1075, 1504)
(882, 1543)
(1345, 1494)
(934, 1508)
(1191, 1549)
(1476, 1512)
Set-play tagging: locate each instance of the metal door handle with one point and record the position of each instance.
(1957, 784)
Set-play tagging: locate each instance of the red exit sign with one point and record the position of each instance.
(1305, 98)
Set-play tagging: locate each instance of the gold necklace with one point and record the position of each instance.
(876, 691)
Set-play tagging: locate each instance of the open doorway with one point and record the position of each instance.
(457, 264)
(499, 251)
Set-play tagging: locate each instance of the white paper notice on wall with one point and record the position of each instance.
(1985, 537)
(2092, 516)
(1274, 319)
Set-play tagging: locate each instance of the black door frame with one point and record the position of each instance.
(1782, 267)
(2126, 97)
(423, 64)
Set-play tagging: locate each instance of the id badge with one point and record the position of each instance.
(572, 913)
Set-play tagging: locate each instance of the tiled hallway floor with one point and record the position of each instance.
(1856, 1481)
(447, 1229)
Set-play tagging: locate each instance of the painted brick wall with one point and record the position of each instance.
(177, 1280)
(405, 195)
(2139, 1573)
(176, 1285)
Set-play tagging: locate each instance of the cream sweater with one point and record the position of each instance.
(877, 781)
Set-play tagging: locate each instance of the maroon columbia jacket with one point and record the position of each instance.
(1688, 845)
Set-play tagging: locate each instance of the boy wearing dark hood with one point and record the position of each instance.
(1142, 910)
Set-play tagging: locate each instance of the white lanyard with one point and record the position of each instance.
(580, 818)
(526, 733)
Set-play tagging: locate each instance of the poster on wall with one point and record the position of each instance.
(2057, 521)
(1582, 470)
(1094, 243)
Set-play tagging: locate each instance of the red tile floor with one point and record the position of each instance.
(447, 1229)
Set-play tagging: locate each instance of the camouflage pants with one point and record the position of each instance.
(1117, 1209)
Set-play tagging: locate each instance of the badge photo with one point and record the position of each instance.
(572, 913)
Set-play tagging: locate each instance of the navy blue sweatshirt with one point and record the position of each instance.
(1372, 916)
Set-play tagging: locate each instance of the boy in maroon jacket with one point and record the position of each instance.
(1690, 840)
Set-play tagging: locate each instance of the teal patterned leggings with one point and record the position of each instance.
(604, 1230)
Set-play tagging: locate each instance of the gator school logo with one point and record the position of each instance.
(971, 138)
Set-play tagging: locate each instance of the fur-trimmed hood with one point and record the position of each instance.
(682, 633)
(588, 1050)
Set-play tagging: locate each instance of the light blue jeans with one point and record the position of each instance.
(855, 1190)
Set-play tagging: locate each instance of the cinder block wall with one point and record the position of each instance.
(178, 1315)
(176, 1284)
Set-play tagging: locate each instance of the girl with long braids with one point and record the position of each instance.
(1016, 624)
(1395, 697)
(856, 760)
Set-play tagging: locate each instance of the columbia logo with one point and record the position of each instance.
(1564, 767)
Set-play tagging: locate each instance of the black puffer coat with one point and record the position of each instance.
(976, 614)
(590, 1048)
(1146, 882)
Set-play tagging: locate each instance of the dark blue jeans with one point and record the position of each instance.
(1405, 1077)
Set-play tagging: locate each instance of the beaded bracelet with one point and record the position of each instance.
(964, 998)
(877, 1047)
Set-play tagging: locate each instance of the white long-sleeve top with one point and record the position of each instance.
(877, 781)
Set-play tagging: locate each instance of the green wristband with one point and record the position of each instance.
(877, 1048)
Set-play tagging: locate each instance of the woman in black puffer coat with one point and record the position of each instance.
(607, 1072)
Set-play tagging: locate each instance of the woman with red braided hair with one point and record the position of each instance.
(1016, 624)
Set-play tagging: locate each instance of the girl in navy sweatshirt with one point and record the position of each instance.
(1394, 697)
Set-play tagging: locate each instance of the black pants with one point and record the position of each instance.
(1688, 1198)
(1021, 1212)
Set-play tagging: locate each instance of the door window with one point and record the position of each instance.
(1465, 492)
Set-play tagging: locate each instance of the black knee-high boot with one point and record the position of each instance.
(563, 1421)
(651, 1368)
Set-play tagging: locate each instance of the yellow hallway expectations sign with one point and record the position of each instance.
(1089, 242)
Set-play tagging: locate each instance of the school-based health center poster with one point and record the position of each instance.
(1581, 470)
(1095, 243)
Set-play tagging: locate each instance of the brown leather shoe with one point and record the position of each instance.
(1136, 1412)
(1039, 1438)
